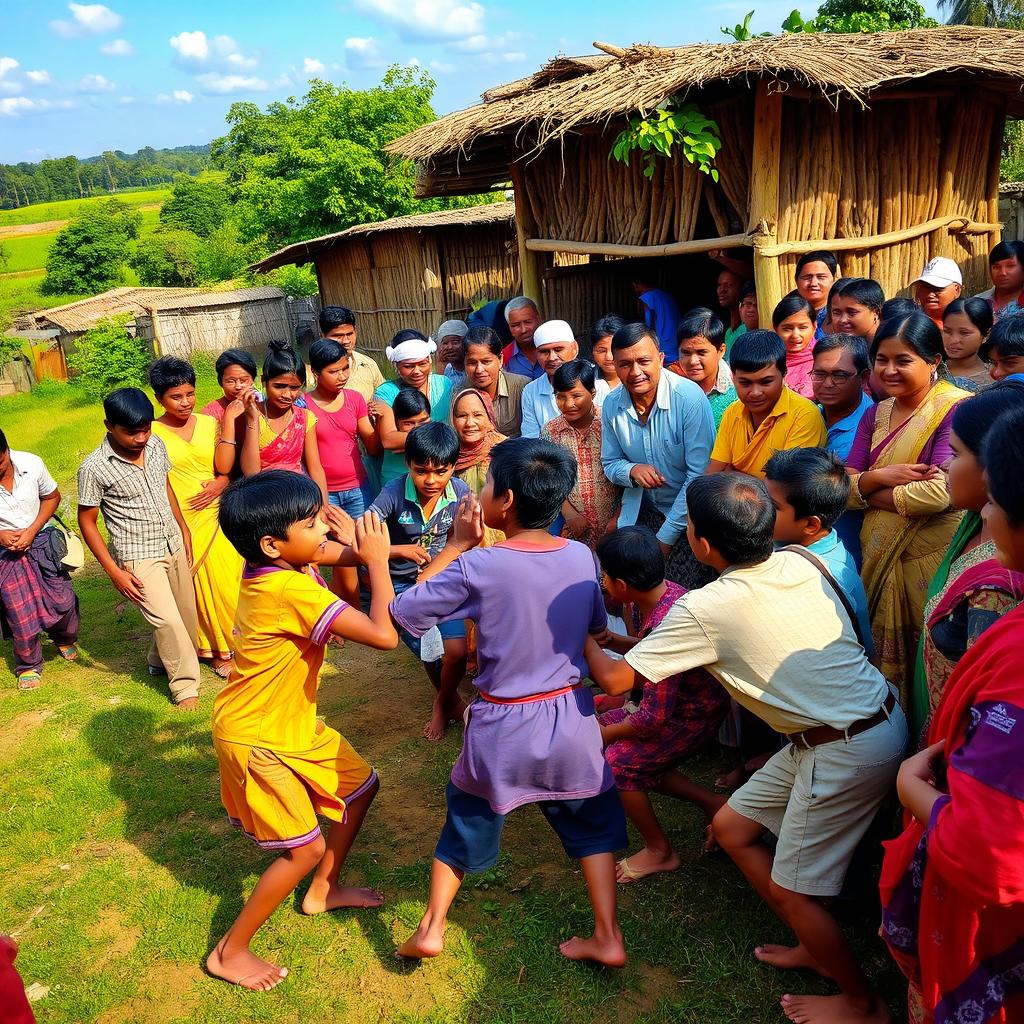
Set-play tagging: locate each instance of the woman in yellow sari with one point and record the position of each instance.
(896, 465)
(472, 417)
(216, 566)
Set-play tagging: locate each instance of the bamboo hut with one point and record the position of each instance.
(1011, 210)
(412, 271)
(882, 147)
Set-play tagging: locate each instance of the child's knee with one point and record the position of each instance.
(455, 650)
(730, 829)
(785, 898)
(310, 853)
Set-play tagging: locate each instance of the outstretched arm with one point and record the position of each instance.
(612, 674)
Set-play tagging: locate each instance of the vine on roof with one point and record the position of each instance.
(668, 128)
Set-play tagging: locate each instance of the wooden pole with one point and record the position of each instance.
(531, 267)
(764, 197)
(697, 245)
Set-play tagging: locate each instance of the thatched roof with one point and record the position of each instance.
(86, 313)
(469, 216)
(474, 144)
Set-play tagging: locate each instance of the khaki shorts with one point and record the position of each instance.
(820, 802)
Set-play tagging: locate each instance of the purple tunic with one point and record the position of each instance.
(533, 608)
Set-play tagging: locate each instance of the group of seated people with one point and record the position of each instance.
(809, 541)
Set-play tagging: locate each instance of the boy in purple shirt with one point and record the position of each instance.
(532, 735)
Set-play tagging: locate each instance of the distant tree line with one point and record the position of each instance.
(70, 178)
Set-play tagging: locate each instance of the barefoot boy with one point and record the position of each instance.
(532, 736)
(776, 635)
(279, 767)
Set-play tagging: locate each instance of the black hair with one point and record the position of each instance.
(406, 334)
(605, 327)
(235, 357)
(170, 372)
(701, 323)
(755, 350)
(818, 256)
(325, 351)
(266, 505)
(1004, 461)
(409, 402)
(433, 444)
(281, 359)
(838, 283)
(748, 288)
(899, 305)
(864, 290)
(977, 310)
(335, 316)
(632, 334)
(1005, 339)
(854, 344)
(128, 408)
(791, 305)
(974, 416)
(734, 513)
(632, 554)
(490, 339)
(576, 370)
(1012, 249)
(540, 475)
(815, 481)
(918, 332)
(4, 446)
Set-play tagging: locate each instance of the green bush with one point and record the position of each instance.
(107, 357)
(199, 205)
(168, 258)
(90, 253)
(292, 280)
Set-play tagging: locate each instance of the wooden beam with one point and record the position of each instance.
(531, 265)
(764, 198)
(615, 51)
(697, 245)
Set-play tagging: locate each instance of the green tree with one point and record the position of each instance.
(108, 357)
(199, 205)
(88, 254)
(169, 258)
(225, 255)
(871, 16)
(309, 167)
(984, 13)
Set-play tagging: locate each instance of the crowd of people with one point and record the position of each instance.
(805, 543)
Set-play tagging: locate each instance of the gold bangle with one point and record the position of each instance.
(861, 502)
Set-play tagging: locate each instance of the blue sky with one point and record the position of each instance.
(84, 77)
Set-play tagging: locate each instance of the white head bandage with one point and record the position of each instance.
(411, 351)
(553, 332)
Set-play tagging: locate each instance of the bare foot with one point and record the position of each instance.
(245, 969)
(834, 1010)
(710, 842)
(731, 780)
(221, 666)
(610, 951)
(643, 863)
(789, 958)
(423, 943)
(187, 704)
(456, 710)
(434, 729)
(335, 897)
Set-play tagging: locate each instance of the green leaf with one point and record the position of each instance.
(714, 174)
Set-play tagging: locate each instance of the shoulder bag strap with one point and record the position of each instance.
(832, 582)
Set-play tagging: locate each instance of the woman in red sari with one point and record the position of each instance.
(953, 883)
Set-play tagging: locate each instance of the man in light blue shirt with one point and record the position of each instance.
(523, 319)
(657, 434)
(555, 345)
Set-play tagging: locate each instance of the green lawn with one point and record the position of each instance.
(118, 869)
(27, 252)
(65, 209)
(22, 292)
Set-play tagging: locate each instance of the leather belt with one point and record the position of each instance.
(827, 734)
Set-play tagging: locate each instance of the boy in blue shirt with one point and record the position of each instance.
(809, 488)
(419, 508)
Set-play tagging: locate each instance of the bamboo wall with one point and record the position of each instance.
(397, 279)
(212, 329)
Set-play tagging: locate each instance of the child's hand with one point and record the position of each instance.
(341, 523)
(252, 406)
(468, 528)
(234, 409)
(603, 637)
(372, 542)
(375, 407)
(924, 765)
(411, 552)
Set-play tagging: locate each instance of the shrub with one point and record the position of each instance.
(107, 357)
(89, 254)
(168, 258)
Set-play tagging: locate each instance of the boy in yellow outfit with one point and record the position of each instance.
(279, 767)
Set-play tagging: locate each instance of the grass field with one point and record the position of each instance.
(67, 208)
(118, 870)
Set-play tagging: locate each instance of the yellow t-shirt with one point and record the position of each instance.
(283, 621)
(794, 422)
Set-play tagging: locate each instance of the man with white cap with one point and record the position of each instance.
(555, 345)
(937, 286)
(449, 350)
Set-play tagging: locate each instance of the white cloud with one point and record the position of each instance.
(363, 53)
(95, 84)
(178, 96)
(312, 66)
(126, 101)
(441, 67)
(219, 85)
(87, 19)
(427, 19)
(7, 64)
(197, 52)
(283, 81)
(117, 48)
(11, 105)
(39, 77)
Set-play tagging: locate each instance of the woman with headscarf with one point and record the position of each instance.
(473, 420)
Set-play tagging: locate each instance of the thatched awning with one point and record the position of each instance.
(471, 147)
(469, 216)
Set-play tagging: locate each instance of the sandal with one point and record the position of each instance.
(223, 669)
(69, 652)
(29, 680)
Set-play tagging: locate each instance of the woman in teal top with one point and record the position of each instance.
(412, 355)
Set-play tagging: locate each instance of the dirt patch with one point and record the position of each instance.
(114, 939)
(18, 729)
(42, 227)
(168, 992)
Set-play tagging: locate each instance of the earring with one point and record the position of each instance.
(934, 376)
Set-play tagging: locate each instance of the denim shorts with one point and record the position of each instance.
(355, 501)
(453, 629)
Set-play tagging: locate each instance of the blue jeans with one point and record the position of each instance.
(355, 501)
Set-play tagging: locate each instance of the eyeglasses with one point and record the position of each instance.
(836, 376)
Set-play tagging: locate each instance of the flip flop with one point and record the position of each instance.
(69, 652)
(631, 875)
(29, 680)
(223, 670)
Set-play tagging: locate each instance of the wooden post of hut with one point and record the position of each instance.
(764, 198)
(530, 263)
